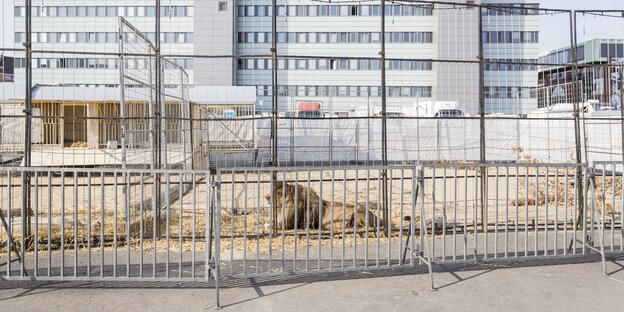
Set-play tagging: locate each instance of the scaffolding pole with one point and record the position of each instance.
(157, 151)
(384, 138)
(482, 122)
(274, 158)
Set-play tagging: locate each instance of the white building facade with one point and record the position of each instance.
(344, 76)
(92, 26)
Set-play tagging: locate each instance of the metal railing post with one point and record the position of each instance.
(274, 107)
(482, 121)
(384, 138)
(157, 117)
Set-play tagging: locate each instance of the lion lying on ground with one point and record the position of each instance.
(314, 211)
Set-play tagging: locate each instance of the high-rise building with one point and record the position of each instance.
(332, 49)
(346, 37)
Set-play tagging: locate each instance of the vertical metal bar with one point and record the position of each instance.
(389, 224)
(157, 131)
(455, 213)
(272, 194)
(355, 219)
(612, 202)
(126, 198)
(444, 214)
(547, 173)
(49, 174)
(9, 226)
(156, 220)
(180, 218)
(62, 223)
(384, 117)
(296, 219)
(258, 225)
(232, 223)
(102, 227)
(218, 237)
(122, 104)
(482, 122)
(209, 184)
(75, 224)
(474, 215)
(577, 126)
(331, 222)
(27, 129)
(244, 223)
(89, 224)
(433, 212)
(400, 217)
(584, 212)
(367, 213)
(320, 226)
(283, 217)
(485, 210)
(465, 213)
(576, 211)
(411, 237)
(536, 220)
(274, 104)
(307, 224)
(621, 212)
(517, 207)
(36, 237)
(556, 209)
(621, 112)
(496, 212)
(115, 227)
(565, 211)
(344, 208)
(167, 235)
(378, 214)
(142, 220)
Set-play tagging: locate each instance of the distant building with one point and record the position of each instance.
(6, 68)
(338, 33)
(595, 82)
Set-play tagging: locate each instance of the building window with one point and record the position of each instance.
(222, 6)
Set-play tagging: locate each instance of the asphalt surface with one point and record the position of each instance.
(575, 284)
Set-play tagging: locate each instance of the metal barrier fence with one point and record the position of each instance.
(84, 225)
(487, 212)
(248, 222)
(333, 219)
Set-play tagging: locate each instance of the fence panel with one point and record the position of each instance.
(85, 224)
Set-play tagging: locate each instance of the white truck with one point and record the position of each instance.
(442, 109)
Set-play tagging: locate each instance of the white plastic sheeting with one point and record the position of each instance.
(359, 140)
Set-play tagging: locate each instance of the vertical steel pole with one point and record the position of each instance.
(274, 112)
(622, 108)
(27, 126)
(122, 109)
(577, 123)
(482, 118)
(157, 121)
(384, 138)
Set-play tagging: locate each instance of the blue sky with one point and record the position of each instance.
(554, 32)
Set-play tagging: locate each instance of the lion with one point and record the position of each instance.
(314, 211)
